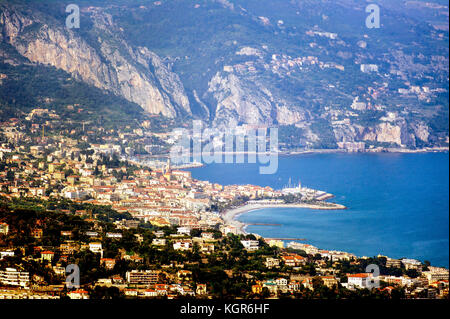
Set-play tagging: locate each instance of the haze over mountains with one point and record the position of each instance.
(311, 67)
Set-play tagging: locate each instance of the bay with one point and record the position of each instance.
(398, 204)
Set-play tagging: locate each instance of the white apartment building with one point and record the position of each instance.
(250, 244)
(96, 248)
(13, 277)
(182, 245)
(158, 241)
(359, 280)
(146, 277)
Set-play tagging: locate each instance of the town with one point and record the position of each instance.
(69, 196)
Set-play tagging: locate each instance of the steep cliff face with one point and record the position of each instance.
(137, 74)
(395, 133)
(347, 132)
(237, 102)
(398, 133)
(243, 101)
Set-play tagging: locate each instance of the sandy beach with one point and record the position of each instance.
(230, 215)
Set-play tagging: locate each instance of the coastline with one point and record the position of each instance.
(191, 165)
(369, 151)
(230, 216)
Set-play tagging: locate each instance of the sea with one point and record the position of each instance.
(398, 203)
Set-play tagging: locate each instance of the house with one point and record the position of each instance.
(250, 245)
(271, 285)
(257, 289)
(161, 289)
(109, 263)
(207, 235)
(360, 280)
(207, 248)
(147, 277)
(307, 283)
(184, 274)
(294, 285)
(68, 248)
(6, 253)
(4, 228)
(150, 293)
(96, 247)
(114, 235)
(436, 274)
(134, 258)
(131, 292)
(59, 270)
(78, 294)
(106, 282)
(293, 260)
(37, 233)
(329, 281)
(275, 243)
(72, 179)
(66, 233)
(139, 238)
(412, 264)
(159, 233)
(117, 279)
(201, 289)
(394, 263)
(183, 230)
(281, 282)
(182, 245)
(91, 234)
(158, 241)
(47, 255)
(272, 262)
(229, 229)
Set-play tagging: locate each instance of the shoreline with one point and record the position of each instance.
(230, 216)
(440, 149)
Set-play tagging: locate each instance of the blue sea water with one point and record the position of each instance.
(398, 204)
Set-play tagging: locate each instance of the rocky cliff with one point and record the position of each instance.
(243, 100)
(107, 62)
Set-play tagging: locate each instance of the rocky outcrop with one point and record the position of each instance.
(250, 102)
(394, 133)
(421, 131)
(398, 133)
(347, 132)
(137, 74)
(239, 102)
(287, 115)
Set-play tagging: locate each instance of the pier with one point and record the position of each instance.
(262, 224)
(300, 239)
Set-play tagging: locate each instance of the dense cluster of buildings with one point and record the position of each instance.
(59, 167)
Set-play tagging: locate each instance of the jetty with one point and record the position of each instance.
(299, 239)
(263, 224)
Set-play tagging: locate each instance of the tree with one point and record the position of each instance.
(10, 176)
(265, 293)
(106, 293)
(196, 232)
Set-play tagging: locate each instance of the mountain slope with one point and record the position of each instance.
(301, 63)
(134, 73)
(312, 68)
